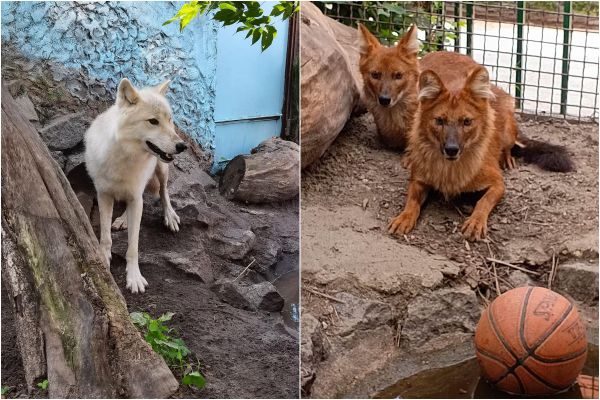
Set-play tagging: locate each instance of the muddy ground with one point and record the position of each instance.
(244, 349)
(377, 308)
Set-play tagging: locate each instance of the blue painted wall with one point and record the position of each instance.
(217, 76)
(250, 90)
(100, 43)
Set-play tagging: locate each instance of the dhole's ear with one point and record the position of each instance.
(408, 42)
(478, 83)
(430, 85)
(126, 93)
(163, 87)
(366, 41)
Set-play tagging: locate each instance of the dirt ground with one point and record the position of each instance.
(545, 220)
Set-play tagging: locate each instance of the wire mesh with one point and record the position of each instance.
(543, 53)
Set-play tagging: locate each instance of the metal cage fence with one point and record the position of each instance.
(544, 53)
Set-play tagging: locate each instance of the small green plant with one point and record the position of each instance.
(6, 390)
(43, 385)
(248, 14)
(173, 350)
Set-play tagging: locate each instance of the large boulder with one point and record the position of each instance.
(330, 83)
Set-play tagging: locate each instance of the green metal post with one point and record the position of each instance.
(519, 64)
(564, 84)
(457, 10)
(470, 28)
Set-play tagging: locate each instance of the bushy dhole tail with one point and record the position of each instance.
(547, 156)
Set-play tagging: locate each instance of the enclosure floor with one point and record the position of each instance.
(358, 187)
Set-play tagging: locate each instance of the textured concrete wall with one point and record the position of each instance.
(93, 45)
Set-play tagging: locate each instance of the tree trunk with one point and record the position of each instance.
(270, 173)
(72, 322)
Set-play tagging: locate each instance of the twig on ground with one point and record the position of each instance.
(552, 270)
(245, 269)
(314, 291)
(507, 264)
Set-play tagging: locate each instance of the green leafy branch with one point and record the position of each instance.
(248, 14)
(173, 350)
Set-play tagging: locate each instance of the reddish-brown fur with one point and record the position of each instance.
(458, 105)
(391, 72)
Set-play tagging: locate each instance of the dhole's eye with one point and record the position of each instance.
(153, 121)
(439, 121)
(376, 75)
(467, 121)
(397, 75)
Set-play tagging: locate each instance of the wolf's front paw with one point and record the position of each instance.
(403, 223)
(120, 224)
(475, 227)
(172, 220)
(135, 281)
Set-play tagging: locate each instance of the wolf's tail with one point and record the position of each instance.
(550, 157)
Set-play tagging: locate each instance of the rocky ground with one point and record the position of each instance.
(240, 323)
(376, 308)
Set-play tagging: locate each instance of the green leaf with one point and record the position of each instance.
(43, 384)
(139, 319)
(5, 390)
(194, 379)
(166, 317)
(255, 36)
(227, 6)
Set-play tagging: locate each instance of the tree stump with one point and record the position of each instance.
(72, 321)
(270, 173)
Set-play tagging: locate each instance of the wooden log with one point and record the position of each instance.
(270, 173)
(72, 321)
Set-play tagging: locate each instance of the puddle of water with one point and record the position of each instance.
(462, 381)
(288, 285)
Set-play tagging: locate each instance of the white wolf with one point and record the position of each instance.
(123, 147)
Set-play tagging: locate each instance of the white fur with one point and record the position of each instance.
(480, 85)
(121, 163)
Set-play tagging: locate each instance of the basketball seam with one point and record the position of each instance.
(569, 357)
(519, 361)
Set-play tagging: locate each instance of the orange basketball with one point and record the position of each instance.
(531, 341)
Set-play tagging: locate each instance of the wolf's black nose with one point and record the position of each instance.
(180, 147)
(451, 150)
(384, 100)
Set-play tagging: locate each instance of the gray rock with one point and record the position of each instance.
(312, 350)
(267, 253)
(65, 132)
(27, 108)
(258, 296)
(579, 280)
(232, 243)
(159, 246)
(360, 314)
(60, 158)
(585, 245)
(73, 161)
(436, 318)
(519, 279)
(528, 252)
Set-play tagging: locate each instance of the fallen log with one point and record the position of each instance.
(72, 322)
(270, 173)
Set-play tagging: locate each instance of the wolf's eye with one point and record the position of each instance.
(467, 121)
(439, 121)
(153, 121)
(397, 75)
(376, 75)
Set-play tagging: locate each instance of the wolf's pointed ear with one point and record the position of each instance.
(126, 93)
(366, 41)
(430, 85)
(163, 87)
(408, 42)
(478, 83)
